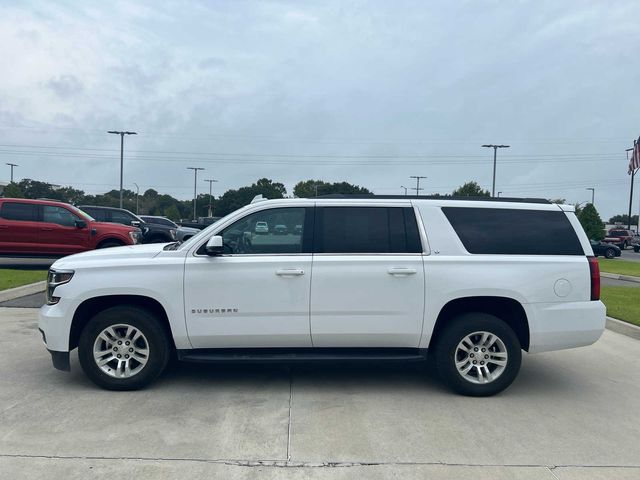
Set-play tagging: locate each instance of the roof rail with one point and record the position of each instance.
(437, 197)
(258, 198)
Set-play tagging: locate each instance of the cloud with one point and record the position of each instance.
(65, 86)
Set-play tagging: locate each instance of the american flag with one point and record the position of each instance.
(634, 162)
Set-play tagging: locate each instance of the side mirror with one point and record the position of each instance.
(80, 224)
(214, 246)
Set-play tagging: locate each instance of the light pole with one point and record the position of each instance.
(593, 195)
(137, 194)
(12, 165)
(499, 194)
(195, 189)
(632, 172)
(405, 189)
(417, 189)
(211, 182)
(122, 134)
(495, 149)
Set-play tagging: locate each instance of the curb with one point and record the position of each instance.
(623, 328)
(22, 291)
(615, 276)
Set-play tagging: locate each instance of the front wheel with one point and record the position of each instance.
(123, 348)
(477, 354)
(610, 253)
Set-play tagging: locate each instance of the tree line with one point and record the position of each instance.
(152, 202)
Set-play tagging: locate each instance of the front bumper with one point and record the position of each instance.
(60, 360)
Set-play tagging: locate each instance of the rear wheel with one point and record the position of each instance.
(123, 348)
(610, 253)
(477, 354)
(624, 245)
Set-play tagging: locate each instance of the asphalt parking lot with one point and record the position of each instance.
(570, 414)
(630, 255)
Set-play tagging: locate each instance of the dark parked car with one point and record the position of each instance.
(607, 250)
(151, 232)
(182, 233)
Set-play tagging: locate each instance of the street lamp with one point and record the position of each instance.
(122, 134)
(195, 188)
(137, 194)
(593, 195)
(495, 149)
(417, 189)
(499, 194)
(211, 182)
(405, 189)
(12, 165)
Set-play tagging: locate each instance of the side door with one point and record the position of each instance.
(19, 228)
(368, 286)
(59, 233)
(257, 293)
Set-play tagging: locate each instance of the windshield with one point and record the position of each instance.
(206, 232)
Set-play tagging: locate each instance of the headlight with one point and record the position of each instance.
(55, 278)
(172, 232)
(135, 237)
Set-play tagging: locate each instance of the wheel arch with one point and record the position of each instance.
(117, 240)
(505, 308)
(92, 306)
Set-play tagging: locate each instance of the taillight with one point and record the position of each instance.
(594, 270)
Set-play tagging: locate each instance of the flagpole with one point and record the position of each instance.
(633, 174)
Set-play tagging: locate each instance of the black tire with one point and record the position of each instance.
(609, 253)
(159, 350)
(451, 336)
(636, 248)
(110, 243)
(623, 246)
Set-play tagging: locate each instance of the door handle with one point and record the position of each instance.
(398, 271)
(285, 272)
(46, 229)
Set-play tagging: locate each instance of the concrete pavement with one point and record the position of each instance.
(570, 414)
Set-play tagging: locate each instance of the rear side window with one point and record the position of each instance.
(514, 232)
(96, 213)
(121, 217)
(366, 230)
(19, 211)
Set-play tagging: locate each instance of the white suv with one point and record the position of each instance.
(467, 283)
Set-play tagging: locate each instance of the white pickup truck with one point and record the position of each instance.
(467, 284)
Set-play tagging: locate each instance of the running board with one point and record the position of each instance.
(301, 355)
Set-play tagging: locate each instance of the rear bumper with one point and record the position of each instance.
(557, 326)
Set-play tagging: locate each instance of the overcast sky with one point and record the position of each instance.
(367, 92)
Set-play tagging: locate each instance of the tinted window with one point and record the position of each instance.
(121, 217)
(366, 230)
(278, 230)
(58, 215)
(515, 232)
(96, 213)
(19, 211)
(619, 233)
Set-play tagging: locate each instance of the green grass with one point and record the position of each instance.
(14, 278)
(622, 303)
(621, 267)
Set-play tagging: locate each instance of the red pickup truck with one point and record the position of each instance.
(621, 238)
(50, 228)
